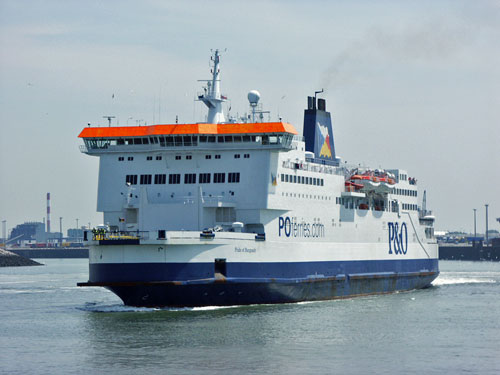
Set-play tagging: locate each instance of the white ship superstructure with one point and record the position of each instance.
(235, 213)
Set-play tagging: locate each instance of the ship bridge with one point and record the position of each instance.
(270, 135)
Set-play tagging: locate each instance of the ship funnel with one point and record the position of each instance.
(318, 131)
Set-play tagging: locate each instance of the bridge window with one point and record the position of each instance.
(130, 158)
(149, 158)
(190, 178)
(121, 158)
(219, 178)
(208, 156)
(160, 179)
(217, 156)
(174, 178)
(177, 157)
(204, 178)
(246, 156)
(233, 177)
(145, 179)
(158, 158)
(236, 156)
(131, 179)
(189, 157)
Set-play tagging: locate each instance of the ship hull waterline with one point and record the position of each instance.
(222, 291)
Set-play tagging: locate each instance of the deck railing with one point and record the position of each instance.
(100, 234)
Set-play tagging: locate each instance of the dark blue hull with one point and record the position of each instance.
(227, 293)
(150, 285)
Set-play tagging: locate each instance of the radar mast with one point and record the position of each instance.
(212, 96)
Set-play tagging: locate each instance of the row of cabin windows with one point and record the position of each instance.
(302, 180)
(405, 192)
(307, 196)
(188, 157)
(411, 207)
(405, 206)
(348, 203)
(378, 205)
(189, 140)
(189, 178)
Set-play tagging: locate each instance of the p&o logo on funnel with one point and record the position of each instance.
(324, 140)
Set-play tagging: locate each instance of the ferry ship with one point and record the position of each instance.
(228, 212)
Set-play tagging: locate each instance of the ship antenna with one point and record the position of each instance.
(109, 119)
(424, 203)
(316, 93)
(212, 96)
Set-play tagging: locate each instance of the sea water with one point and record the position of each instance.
(50, 326)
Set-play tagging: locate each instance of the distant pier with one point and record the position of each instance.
(52, 252)
(465, 252)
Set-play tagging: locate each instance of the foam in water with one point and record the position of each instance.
(93, 307)
(459, 279)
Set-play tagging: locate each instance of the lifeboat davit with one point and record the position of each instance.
(350, 186)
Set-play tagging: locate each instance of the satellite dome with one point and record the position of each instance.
(253, 97)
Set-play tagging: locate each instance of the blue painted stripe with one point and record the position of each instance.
(126, 272)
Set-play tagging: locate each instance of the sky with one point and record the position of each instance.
(410, 84)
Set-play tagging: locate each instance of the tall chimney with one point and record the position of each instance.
(48, 212)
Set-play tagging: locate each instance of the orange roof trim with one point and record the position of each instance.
(181, 129)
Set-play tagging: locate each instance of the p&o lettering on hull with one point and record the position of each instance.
(289, 227)
(398, 238)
